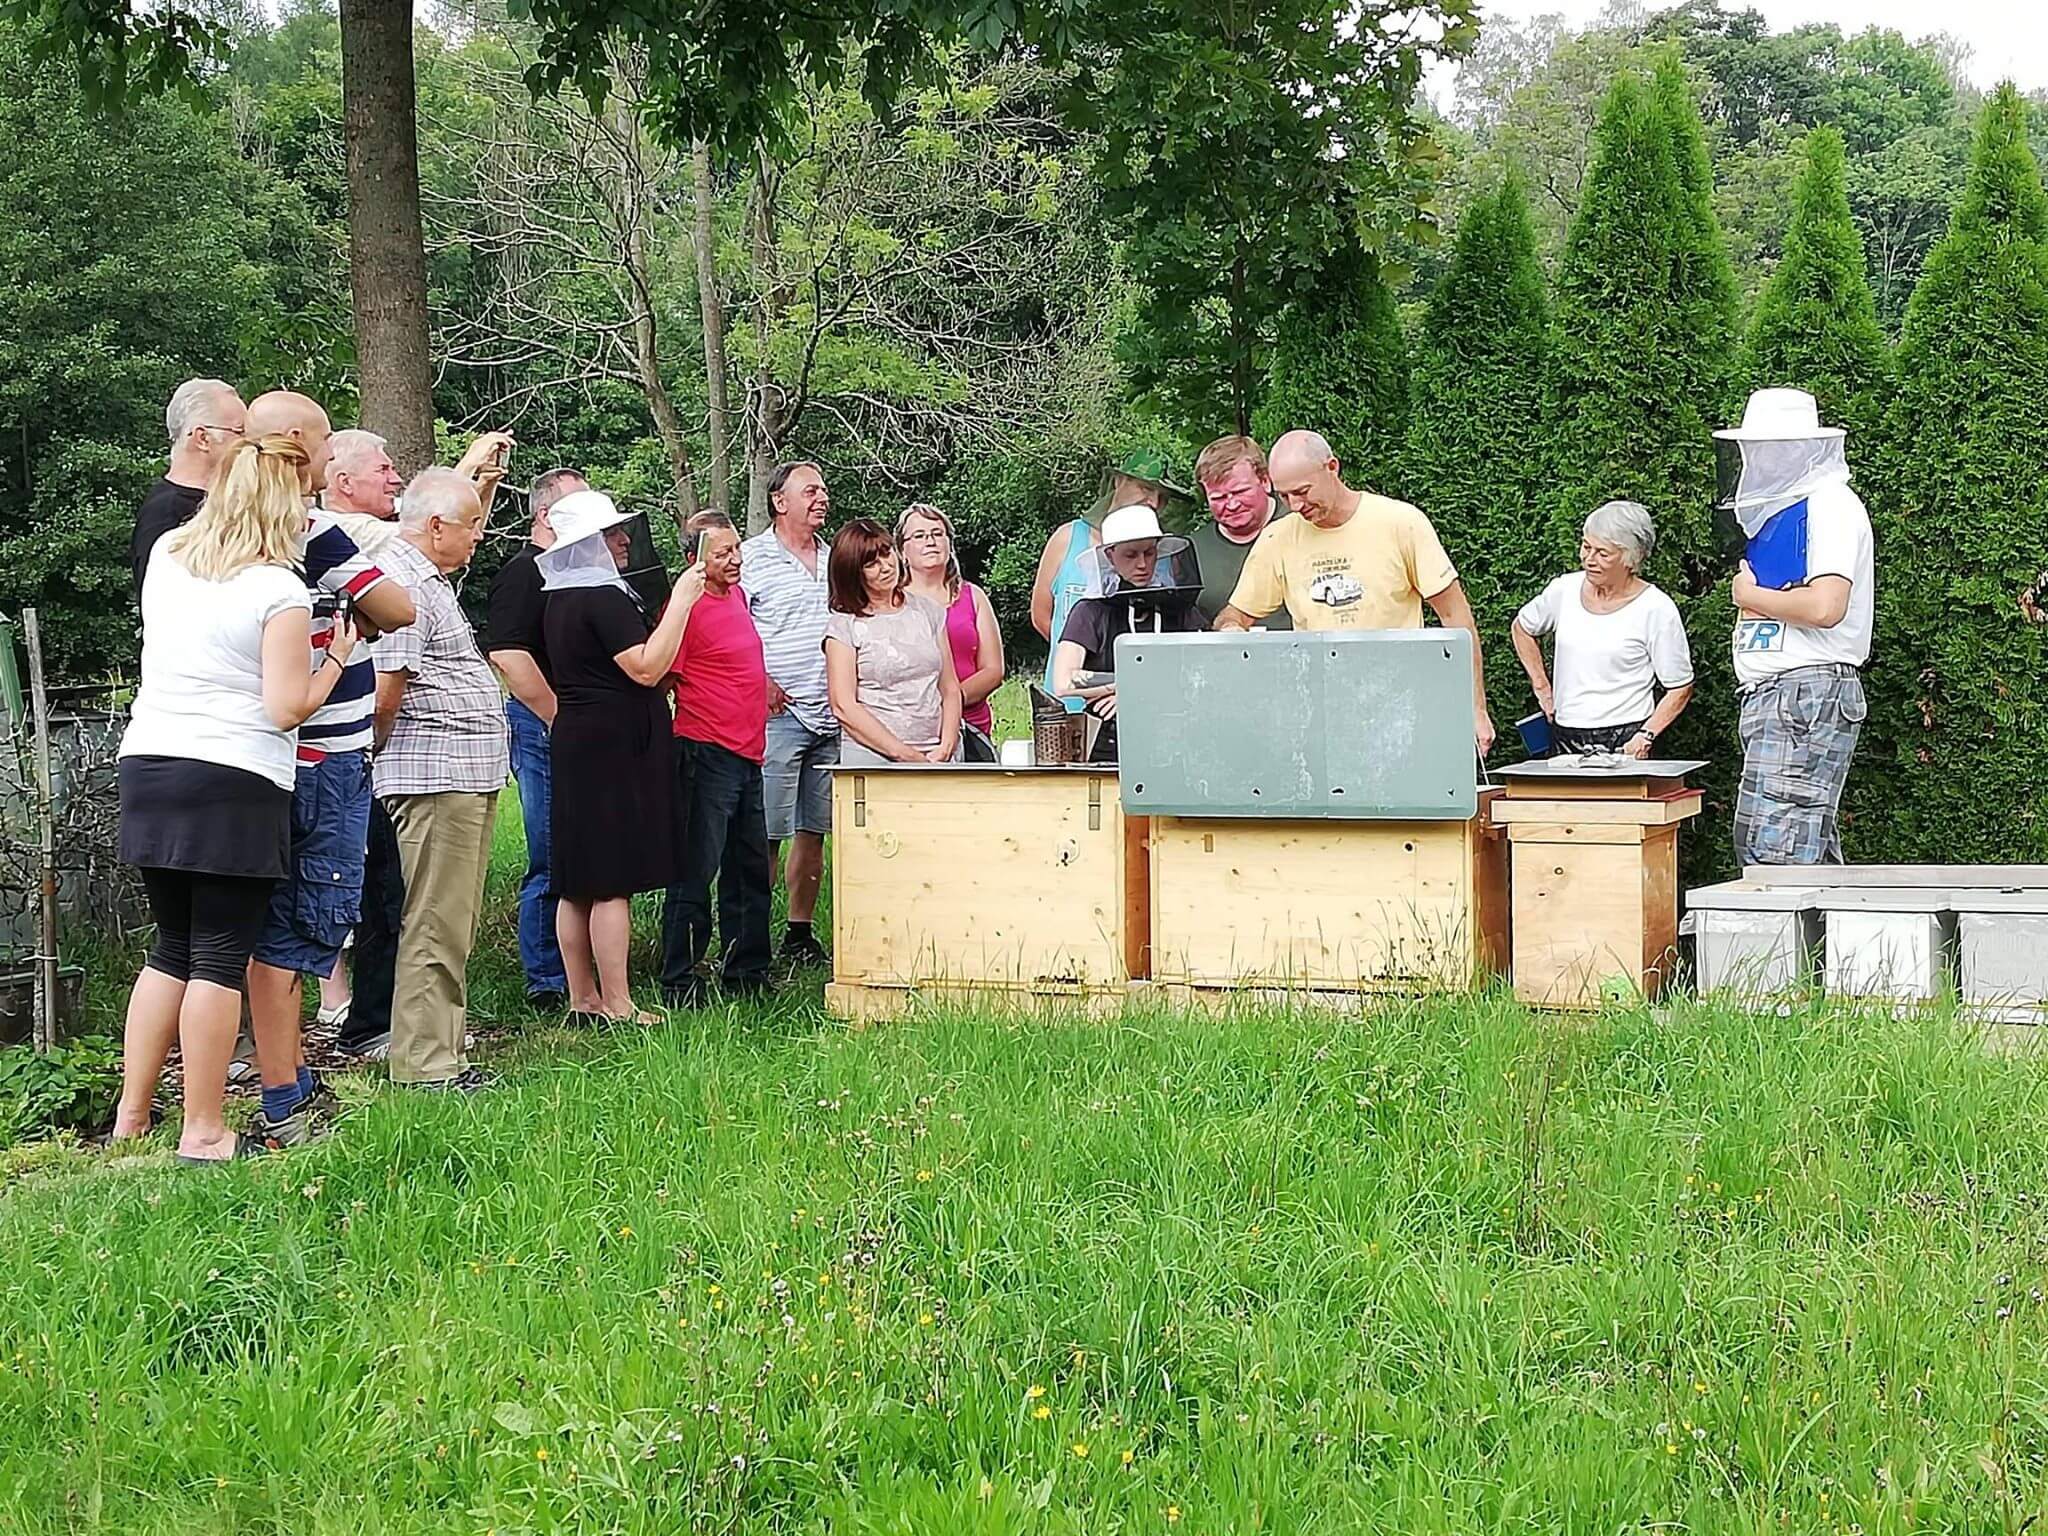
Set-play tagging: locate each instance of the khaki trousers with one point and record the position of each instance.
(444, 843)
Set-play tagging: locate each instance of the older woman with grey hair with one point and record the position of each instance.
(1617, 640)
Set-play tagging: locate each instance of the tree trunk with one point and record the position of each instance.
(646, 354)
(702, 237)
(1240, 346)
(768, 414)
(387, 250)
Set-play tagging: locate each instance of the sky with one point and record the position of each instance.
(2008, 39)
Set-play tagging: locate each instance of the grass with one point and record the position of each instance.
(1441, 1268)
(1444, 1267)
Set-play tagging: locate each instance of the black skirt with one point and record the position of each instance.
(615, 822)
(206, 819)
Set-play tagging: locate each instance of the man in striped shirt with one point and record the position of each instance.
(317, 902)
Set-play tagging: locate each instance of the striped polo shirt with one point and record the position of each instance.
(334, 565)
(789, 608)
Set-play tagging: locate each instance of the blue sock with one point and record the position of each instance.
(308, 1083)
(279, 1102)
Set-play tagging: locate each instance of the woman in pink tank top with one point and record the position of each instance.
(924, 537)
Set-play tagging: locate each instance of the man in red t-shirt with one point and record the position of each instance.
(721, 691)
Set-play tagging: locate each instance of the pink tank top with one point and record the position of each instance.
(963, 630)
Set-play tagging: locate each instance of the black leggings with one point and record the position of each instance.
(206, 925)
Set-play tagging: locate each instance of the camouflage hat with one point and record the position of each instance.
(1148, 465)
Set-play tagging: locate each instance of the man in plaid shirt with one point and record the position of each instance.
(441, 760)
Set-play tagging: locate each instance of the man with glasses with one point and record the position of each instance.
(205, 418)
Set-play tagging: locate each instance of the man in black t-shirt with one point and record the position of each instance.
(1142, 581)
(205, 419)
(512, 641)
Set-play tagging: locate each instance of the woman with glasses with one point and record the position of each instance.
(924, 538)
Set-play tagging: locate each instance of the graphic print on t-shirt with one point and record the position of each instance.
(1331, 584)
(1759, 635)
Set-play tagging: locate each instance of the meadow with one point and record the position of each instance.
(1442, 1267)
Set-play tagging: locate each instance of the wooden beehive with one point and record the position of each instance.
(1325, 906)
(983, 884)
(1596, 890)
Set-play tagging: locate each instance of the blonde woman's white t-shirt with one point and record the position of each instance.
(1605, 665)
(202, 668)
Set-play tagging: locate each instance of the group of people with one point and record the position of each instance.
(319, 739)
(1289, 543)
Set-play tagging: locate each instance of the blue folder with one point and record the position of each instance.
(1777, 551)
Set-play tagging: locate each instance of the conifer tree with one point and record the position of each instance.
(1959, 674)
(1816, 324)
(1644, 367)
(1339, 366)
(1476, 438)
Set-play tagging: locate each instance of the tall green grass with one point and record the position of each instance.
(1438, 1268)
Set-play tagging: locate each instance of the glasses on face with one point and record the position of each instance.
(925, 536)
(207, 426)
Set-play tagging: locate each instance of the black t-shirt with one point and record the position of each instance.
(1094, 623)
(168, 505)
(584, 628)
(517, 603)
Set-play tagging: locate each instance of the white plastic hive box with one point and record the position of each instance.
(1893, 946)
(1752, 939)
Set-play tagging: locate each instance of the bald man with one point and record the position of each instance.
(300, 417)
(1350, 560)
(319, 899)
(206, 418)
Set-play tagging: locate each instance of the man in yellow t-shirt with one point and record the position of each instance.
(1350, 560)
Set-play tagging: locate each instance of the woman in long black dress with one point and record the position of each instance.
(616, 827)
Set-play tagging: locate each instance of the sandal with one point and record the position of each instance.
(245, 1147)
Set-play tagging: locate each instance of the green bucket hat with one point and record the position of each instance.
(1149, 465)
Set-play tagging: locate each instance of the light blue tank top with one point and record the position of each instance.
(1069, 584)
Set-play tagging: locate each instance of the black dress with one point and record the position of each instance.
(614, 820)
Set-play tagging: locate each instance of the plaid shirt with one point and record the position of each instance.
(450, 730)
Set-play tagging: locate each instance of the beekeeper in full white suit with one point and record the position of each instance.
(1804, 599)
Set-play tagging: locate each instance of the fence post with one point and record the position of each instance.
(45, 1025)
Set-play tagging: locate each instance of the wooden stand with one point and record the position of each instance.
(974, 884)
(1596, 883)
(1333, 906)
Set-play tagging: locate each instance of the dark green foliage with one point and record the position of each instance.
(1476, 433)
(1339, 365)
(72, 1087)
(1958, 754)
(135, 251)
(1229, 199)
(1816, 324)
(1643, 368)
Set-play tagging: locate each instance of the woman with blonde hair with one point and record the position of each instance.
(207, 768)
(924, 538)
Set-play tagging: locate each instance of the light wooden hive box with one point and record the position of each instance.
(1595, 857)
(1316, 824)
(983, 884)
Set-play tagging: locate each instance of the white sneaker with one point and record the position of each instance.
(332, 1018)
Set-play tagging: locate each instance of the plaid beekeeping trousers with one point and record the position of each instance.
(1799, 733)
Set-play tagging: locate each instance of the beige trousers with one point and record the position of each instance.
(444, 843)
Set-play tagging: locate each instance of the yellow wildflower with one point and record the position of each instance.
(1081, 1449)
(1034, 1392)
(1042, 1411)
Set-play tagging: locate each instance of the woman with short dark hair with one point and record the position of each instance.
(888, 668)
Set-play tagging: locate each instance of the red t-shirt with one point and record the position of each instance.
(722, 689)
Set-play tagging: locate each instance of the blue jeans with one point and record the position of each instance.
(321, 895)
(540, 953)
(727, 838)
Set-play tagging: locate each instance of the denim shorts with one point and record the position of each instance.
(796, 790)
(320, 898)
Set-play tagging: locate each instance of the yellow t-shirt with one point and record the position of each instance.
(1372, 573)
